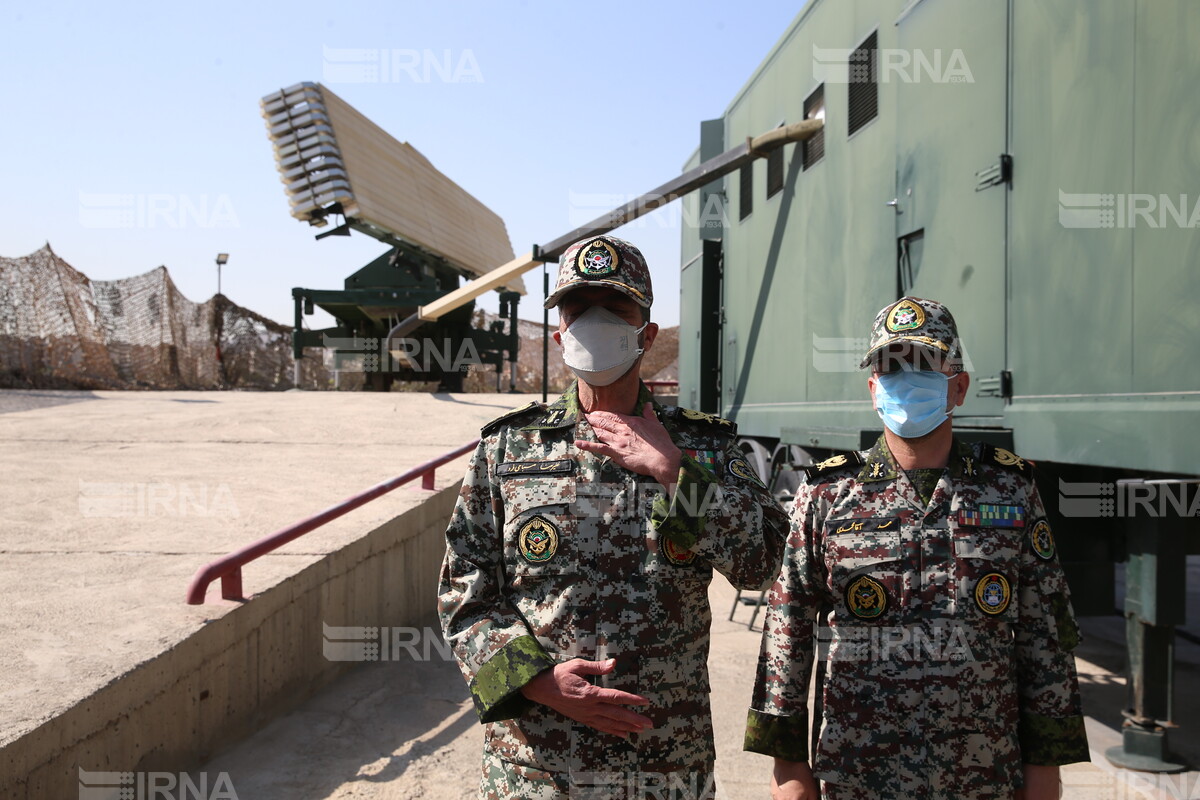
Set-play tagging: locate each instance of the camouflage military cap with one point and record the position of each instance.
(604, 261)
(914, 330)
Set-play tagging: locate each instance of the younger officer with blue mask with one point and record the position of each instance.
(946, 621)
(917, 380)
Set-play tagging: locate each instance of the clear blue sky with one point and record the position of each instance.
(151, 110)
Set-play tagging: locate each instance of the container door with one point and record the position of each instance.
(949, 76)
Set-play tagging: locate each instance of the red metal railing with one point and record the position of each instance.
(654, 384)
(229, 568)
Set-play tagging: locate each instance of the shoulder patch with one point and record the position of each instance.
(700, 418)
(1042, 540)
(507, 415)
(990, 454)
(739, 468)
(843, 460)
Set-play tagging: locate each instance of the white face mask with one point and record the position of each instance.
(600, 347)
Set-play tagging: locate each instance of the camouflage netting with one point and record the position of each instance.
(61, 330)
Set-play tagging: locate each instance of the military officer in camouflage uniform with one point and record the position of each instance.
(574, 587)
(945, 625)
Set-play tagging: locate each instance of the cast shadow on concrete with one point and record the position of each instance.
(12, 400)
(447, 398)
(381, 728)
(1104, 695)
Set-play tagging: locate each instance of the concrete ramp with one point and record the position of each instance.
(117, 498)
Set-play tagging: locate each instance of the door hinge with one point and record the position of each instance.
(996, 174)
(996, 386)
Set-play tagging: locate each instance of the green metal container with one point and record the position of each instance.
(1033, 165)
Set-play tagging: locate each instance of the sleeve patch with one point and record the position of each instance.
(740, 468)
(1042, 540)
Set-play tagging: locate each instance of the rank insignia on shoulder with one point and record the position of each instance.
(993, 516)
(676, 554)
(705, 458)
(1042, 540)
(740, 469)
(558, 466)
(854, 459)
(833, 463)
(866, 598)
(1007, 458)
(992, 593)
(538, 540)
(700, 416)
(530, 406)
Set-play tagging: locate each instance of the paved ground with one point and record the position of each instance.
(112, 500)
(402, 730)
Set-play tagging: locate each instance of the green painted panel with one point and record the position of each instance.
(1166, 175)
(689, 298)
(1136, 432)
(690, 286)
(1070, 288)
(1094, 313)
(950, 76)
(797, 291)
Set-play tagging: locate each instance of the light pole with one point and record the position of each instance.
(222, 258)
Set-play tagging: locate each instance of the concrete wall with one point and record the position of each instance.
(174, 711)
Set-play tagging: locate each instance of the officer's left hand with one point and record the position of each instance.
(639, 444)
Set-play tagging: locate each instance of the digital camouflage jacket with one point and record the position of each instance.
(946, 631)
(555, 553)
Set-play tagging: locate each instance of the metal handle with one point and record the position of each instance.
(894, 203)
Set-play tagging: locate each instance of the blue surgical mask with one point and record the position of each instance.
(910, 402)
